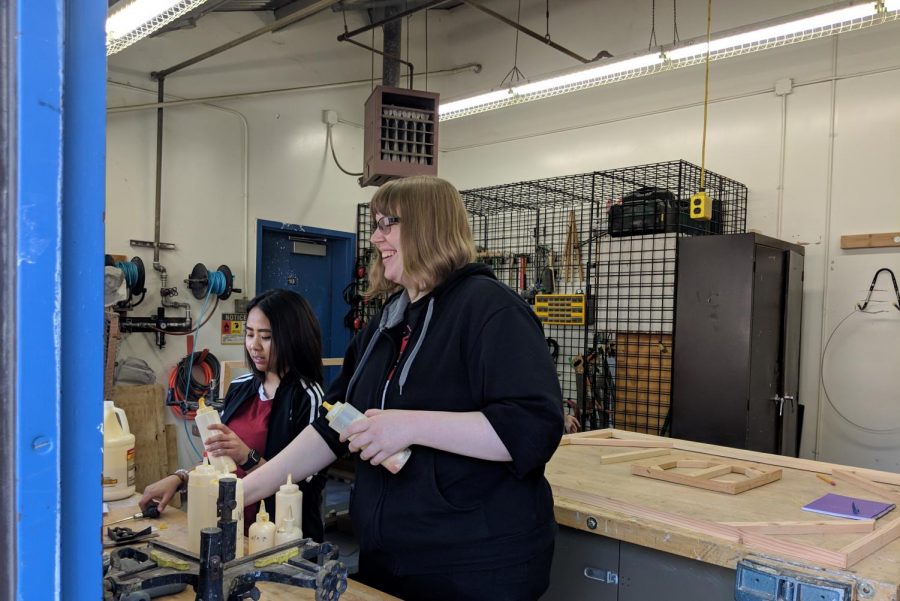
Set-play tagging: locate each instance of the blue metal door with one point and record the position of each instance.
(288, 257)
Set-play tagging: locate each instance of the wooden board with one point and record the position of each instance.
(643, 381)
(707, 474)
(886, 240)
(703, 448)
(773, 511)
(632, 455)
(806, 526)
(144, 407)
(172, 459)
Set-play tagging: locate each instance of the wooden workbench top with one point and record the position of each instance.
(173, 529)
(624, 507)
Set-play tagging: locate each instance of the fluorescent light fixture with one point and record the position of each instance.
(136, 19)
(811, 25)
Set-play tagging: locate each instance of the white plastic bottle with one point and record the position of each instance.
(340, 415)
(287, 530)
(202, 481)
(289, 497)
(205, 417)
(237, 514)
(118, 454)
(262, 532)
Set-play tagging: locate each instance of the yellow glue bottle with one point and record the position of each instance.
(340, 415)
(287, 531)
(201, 502)
(262, 532)
(206, 416)
(289, 498)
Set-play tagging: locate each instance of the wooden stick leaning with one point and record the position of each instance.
(867, 485)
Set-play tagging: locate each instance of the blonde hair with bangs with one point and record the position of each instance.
(435, 237)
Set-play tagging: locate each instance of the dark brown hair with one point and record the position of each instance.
(296, 337)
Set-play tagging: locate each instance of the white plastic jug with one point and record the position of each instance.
(118, 454)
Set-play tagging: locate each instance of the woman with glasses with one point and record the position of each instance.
(455, 368)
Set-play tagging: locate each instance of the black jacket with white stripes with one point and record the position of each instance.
(295, 406)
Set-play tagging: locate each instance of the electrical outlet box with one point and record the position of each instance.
(330, 117)
(701, 206)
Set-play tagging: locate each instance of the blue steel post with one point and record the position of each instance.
(83, 194)
(60, 94)
(38, 295)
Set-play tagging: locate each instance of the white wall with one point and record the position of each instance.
(835, 182)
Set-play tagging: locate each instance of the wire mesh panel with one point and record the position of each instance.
(645, 212)
(595, 255)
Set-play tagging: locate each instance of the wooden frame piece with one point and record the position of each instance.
(805, 465)
(806, 527)
(632, 455)
(867, 485)
(612, 438)
(708, 470)
(865, 546)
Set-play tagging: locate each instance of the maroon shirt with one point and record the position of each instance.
(251, 423)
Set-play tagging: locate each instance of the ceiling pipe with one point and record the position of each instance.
(473, 67)
(395, 80)
(404, 13)
(537, 36)
(277, 24)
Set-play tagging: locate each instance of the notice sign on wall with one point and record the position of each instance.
(233, 325)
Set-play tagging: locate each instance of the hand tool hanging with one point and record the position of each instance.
(572, 256)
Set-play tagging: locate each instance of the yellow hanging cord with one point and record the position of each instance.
(705, 98)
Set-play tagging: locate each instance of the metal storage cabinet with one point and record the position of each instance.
(737, 342)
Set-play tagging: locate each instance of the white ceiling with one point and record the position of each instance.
(308, 53)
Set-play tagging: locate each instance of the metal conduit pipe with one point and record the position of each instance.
(245, 167)
(391, 45)
(473, 67)
(277, 24)
(160, 96)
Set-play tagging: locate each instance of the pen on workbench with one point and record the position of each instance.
(826, 479)
(854, 507)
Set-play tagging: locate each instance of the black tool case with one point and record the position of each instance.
(651, 210)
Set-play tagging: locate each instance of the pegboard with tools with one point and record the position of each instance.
(595, 255)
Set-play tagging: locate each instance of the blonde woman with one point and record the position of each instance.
(456, 367)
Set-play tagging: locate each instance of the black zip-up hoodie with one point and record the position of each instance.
(475, 346)
(295, 405)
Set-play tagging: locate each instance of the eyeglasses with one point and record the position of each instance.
(384, 224)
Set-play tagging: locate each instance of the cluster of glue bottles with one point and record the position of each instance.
(203, 494)
(203, 488)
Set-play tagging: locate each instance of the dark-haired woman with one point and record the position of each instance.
(264, 410)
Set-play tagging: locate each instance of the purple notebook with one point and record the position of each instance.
(849, 507)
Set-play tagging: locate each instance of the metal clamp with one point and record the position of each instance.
(601, 575)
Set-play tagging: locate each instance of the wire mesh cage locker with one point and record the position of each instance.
(595, 254)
